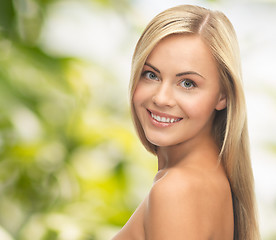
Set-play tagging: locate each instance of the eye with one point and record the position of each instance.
(150, 75)
(188, 84)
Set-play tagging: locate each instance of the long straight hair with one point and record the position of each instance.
(230, 125)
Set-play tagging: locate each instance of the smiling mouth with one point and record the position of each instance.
(164, 119)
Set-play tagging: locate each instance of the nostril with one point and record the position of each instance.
(163, 98)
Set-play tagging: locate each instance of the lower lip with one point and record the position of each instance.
(160, 124)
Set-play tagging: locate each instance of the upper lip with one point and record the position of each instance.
(163, 114)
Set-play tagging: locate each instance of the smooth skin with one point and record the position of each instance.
(191, 196)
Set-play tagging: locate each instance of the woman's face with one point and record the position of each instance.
(178, 91)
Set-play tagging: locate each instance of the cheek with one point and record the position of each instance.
(199, 105)
(137, 96)
(141, 94)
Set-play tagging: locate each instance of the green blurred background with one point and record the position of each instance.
(71, 165)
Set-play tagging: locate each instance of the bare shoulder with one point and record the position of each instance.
(190, 184)
(181, 203)
(177, 183)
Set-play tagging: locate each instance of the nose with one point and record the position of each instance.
(163, 96)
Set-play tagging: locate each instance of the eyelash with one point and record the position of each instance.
(144, 74)
(190, 81)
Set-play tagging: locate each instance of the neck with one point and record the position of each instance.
(194, 153)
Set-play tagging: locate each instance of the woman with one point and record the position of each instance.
(188, 107)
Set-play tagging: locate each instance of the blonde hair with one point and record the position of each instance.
(230, 124)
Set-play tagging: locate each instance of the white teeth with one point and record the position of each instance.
(164, 119)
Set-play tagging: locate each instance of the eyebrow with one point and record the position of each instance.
(178, 74)
(154, 68)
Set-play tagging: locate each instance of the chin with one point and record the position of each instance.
(159, 142)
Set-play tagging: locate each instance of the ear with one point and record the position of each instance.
(222, 102)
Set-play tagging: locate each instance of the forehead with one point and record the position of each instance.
(183, 52)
